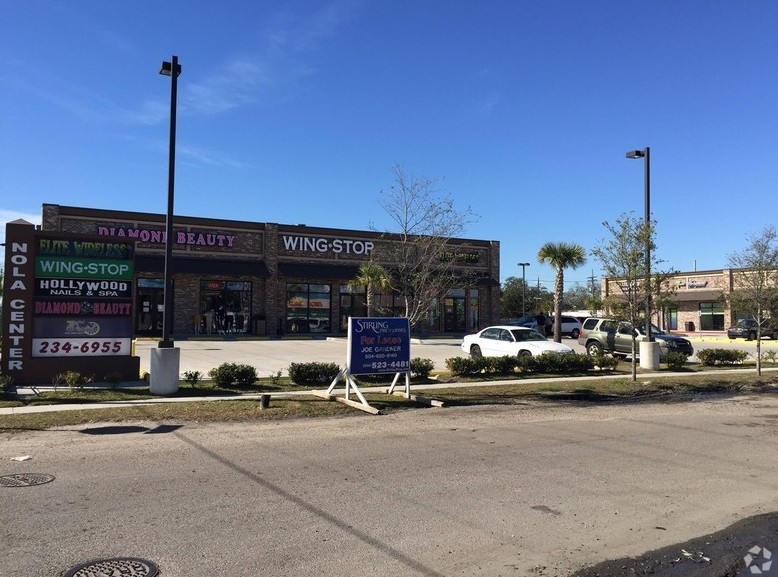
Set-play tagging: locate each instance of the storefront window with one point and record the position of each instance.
(711, 316)
(225, 307)
(308, 308)
(352, 304)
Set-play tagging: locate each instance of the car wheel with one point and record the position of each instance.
(594, 349)
(751, 336)
(525, 354)
(575, 333)
(475, 351)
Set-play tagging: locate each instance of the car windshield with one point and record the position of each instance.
(525, 335)
(655, 330)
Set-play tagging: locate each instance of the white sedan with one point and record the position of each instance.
(500, 341)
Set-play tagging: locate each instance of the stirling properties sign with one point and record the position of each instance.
(67, 306)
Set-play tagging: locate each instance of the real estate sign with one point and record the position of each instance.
(378, 345)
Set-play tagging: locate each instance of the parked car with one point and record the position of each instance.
(747, 328)
(607, 335)
(571, 326)
(510, 340)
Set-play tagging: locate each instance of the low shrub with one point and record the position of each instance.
(674, 360)
(501, 365)
(711, 357)
(421, 367)
(550, 363)
(229, 374)
(464, 366)
(605, 363)
(245, 375)
(313, 373)
(73, 379)
(6, 384)
(192, 377)
(770, 356)
(113, 379)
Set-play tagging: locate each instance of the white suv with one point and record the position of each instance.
(571, 326)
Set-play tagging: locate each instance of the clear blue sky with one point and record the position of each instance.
(295, 112)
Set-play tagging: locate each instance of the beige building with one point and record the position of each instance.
(696, 300)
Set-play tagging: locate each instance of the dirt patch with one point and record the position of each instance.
(719, 554)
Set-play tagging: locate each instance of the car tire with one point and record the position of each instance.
(751, 336)
(525, 354)
(475, 352)
(594, 349)
(575, 334)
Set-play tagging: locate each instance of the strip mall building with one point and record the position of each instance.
(235, 277)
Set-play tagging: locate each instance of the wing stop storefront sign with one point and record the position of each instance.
(68, 306)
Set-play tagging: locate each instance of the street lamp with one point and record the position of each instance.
(172, 69)
(166, 359)
(651, 352)
(523, 266)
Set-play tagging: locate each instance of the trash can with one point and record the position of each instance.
(689, 327)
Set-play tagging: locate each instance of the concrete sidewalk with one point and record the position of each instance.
(339, 390)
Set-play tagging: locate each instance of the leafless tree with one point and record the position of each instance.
(423, 261)
(755, 280)
(623, 262)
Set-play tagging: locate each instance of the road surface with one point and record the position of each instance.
(531, 489)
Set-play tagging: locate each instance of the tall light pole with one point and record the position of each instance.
(645, 154)
(523, 266)
(166, 359)
(172, 69)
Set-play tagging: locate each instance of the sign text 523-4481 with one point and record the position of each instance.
(80, 347)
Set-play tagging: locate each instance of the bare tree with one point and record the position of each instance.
(755, 280)
(424, 265)
(624, 263)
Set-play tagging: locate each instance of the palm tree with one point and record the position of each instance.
(562, 255)
(372, 277)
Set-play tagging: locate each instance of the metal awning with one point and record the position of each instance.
(318, 271)
(156, 264)
(696, 295)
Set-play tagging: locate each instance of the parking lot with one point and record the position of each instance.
(274, 355)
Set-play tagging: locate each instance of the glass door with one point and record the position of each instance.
(150, 306)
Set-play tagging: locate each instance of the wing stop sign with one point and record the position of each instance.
(380, 345)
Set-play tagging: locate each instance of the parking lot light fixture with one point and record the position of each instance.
(523, 266)
(172, 69)
(645, 154)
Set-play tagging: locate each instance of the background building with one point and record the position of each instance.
(693, 301)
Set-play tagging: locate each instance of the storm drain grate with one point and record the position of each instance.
(25, 479)
(120, 566)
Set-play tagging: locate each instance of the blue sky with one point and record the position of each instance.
(295, 112)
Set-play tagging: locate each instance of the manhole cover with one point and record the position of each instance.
(24, 479)
(118, 567)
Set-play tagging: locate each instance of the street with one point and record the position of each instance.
(530, 489)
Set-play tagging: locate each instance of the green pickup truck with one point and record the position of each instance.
(607, 335)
